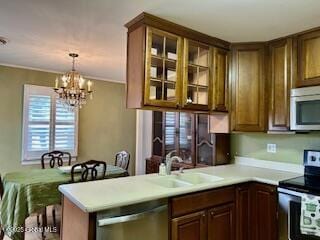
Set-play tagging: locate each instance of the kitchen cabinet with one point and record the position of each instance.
(220, 80)
(153, 67)
(280, 82)
(170, 67)
(243, 204)
(248, 87)
(197, 87)
(221, 222)
(309, 59)
(190, 227)
(264, 204)
(204, 215)
(188, 135)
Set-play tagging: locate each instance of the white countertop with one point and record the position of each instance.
(105, 194)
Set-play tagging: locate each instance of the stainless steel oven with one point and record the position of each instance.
(305, 108)
(289, 216)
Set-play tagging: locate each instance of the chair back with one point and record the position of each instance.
(55, 157)
(122, 160)
(90, 171)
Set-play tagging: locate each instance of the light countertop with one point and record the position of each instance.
(105, 194)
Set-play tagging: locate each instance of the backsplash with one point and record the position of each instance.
(289, 147)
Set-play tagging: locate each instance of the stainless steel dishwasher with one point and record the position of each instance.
(143, 221)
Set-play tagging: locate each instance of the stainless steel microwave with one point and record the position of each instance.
(305, 108)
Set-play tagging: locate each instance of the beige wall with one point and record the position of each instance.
(289, 147)
(105, 125)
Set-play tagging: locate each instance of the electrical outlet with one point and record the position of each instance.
(271, 148)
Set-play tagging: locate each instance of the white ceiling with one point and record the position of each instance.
(43, 32)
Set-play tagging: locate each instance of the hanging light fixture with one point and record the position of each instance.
(73, 92)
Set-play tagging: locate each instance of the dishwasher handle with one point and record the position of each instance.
(131, 217)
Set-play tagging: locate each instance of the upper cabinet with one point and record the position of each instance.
(173, 67)
(220, 80)
(197, 75)
(162, 78)
(280, 77)
(309, 59)
(248, 87)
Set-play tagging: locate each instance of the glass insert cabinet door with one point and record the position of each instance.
(163, 65)
(197, 75)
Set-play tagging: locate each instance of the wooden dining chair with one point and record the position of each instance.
(122, 160)
(89, 171)
(55, 159)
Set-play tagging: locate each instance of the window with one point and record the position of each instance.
(47, 125)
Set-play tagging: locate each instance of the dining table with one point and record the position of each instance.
(30, 191)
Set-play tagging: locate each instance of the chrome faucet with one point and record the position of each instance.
(170, 159)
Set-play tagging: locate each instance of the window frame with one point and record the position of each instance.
(26, 157)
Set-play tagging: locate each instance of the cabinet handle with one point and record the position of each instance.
(203, 215)
(189, 101)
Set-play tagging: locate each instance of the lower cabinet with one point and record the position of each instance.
(264, 212)
(221, 221)
(256, 212)
(190, 227)
(243, 212)
(204, 215)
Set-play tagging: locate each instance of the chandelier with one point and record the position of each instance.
(72, 91)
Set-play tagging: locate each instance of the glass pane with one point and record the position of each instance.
(185, 137)
(169, 91)
(38, 137)
(203, 96)
(171, 48)
(39, 108)
(170, 131)
(193, 54)
(203, 77)
(205, 153)
(308, 112)
(203, 131)
(192, 95)
(192, 75)
(170, 71)
(203, 59)
(64, 137)
(157, 148)
(155, 90)
(156, 70)
(157, 45)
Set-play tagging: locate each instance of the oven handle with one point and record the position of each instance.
(131, 217)
(297, 193)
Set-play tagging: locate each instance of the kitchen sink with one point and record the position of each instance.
(198, 178)
(170, 182)
(184, 180)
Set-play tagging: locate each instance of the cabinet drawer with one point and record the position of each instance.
(198, 201)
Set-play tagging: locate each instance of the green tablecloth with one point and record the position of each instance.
(28, 192)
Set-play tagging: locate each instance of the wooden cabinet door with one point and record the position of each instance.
(243, 212)
(190, 227)
(280, 76)
(221, 222)
(264, 212)
(248, 88)
(220, 80)
(162, 69)
(197, 76)
(309, 59)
